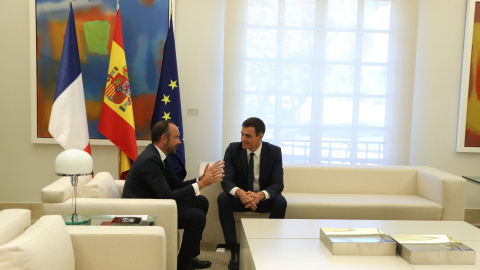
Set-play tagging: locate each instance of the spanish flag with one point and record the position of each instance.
(116, 120)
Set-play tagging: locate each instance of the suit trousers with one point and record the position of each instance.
(227, 204)
(192, 218)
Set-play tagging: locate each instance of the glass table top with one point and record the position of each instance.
(106, 220)
(475, 179)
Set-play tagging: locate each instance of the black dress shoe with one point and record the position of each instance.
(234, 261)
(197, 264)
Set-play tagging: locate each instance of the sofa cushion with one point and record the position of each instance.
(13, 223)
(101, 186)
(331, 179)
(361, 206)
(45, 245)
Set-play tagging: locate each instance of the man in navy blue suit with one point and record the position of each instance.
(253, 182)
(151, 176)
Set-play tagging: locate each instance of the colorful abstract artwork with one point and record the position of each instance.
(144, 25)
(468, 139)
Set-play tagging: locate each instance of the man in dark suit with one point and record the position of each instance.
(253, 182)
(151, 176)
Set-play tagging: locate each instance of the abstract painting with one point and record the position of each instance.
(468, 138)
(144, 25)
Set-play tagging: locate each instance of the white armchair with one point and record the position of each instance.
(50, 244)
(102, 196)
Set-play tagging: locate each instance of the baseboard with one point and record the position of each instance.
(36, 208)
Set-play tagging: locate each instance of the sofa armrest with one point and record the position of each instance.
(443, 188)
(165, 211)
(118, 247)
(58, 191)
(62, 189)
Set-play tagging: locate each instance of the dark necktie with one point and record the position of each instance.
(168, 167)
(250, 173)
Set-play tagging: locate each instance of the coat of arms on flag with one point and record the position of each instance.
(118, 87)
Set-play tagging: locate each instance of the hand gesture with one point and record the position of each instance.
(212, 174)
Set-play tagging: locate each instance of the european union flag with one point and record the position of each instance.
(167, 103)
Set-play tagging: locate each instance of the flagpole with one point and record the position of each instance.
(170, 11)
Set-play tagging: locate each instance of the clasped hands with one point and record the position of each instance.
(250, 199)
(212, 174)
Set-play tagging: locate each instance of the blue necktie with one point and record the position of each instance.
(250, 173)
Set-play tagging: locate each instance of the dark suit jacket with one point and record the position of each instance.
(236, 168)
(148, 178)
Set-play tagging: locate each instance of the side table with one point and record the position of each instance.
(97, 220)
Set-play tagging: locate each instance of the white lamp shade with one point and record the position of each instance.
(73, 162)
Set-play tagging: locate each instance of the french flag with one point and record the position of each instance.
(68, 119)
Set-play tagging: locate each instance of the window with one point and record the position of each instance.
(320, 73)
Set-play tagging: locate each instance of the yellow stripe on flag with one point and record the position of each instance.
(125, 163)
(117, 60)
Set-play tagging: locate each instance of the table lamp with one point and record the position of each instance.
(74, 163)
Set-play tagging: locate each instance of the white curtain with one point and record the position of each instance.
(332, 79)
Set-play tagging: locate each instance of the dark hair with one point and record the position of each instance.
(160, 128)
(257, 123)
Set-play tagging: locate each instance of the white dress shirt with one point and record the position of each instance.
(256, 172)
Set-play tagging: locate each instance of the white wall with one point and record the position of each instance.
(437, 92)
(199, 43)
(25, 167)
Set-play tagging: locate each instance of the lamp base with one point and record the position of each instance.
(77, 220)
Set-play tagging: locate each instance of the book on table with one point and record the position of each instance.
(433, 249)
(126, 220)
(357, 241)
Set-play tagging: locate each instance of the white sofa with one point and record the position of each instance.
(102, 196)
(357, 192)
(13, 223)
(50, 244)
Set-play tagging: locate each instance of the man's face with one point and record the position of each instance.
(174, 141)
(250, 140)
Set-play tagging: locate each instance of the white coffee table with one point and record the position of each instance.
(295, 243)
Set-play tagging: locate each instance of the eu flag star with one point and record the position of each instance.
(166, 99)
(173, 84)
(166, 116)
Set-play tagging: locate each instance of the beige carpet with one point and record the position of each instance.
(219, 259)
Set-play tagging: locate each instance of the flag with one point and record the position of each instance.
(116, 120)
(167, 103)
(68, 119)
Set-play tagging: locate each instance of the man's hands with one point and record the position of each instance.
(212, 174)
(250, 199)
